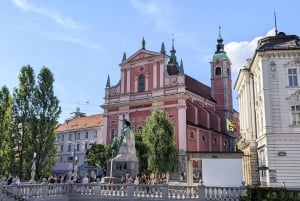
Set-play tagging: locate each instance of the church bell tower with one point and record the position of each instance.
(221, 89)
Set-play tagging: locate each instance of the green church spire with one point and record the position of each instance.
(220, 53)
(220, 46)
(173, 59)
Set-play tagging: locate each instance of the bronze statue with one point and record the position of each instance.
(116, 142)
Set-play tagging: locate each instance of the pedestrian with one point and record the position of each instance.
(18, 182)
(85, 180)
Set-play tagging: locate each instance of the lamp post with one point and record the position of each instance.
(75, 168)
(111, 164)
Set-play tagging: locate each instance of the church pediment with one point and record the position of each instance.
(141, 55)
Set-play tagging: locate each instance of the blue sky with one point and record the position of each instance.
(82, 41)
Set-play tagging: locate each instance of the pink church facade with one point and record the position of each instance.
(197, 112)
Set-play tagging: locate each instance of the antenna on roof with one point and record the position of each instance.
(276, 31)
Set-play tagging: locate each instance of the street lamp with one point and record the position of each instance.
(111, 164)
(75, 166)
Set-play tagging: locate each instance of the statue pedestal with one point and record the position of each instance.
(126, 161)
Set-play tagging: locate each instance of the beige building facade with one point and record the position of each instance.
(268, 93)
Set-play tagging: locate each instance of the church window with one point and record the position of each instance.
(141, 83)
(295, 109)
(292, 76)
(214, 140)
(218, 71)
(192, 135)
(112, 133)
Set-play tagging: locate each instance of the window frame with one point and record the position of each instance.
(218, 71)
(141, 83)
(293, 77)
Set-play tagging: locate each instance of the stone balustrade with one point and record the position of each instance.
(97, 191)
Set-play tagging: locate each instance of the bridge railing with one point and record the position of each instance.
(44, 190)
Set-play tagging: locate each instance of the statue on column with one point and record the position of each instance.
(33, 168)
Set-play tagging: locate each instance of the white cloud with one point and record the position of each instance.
(158, 11)
(238, 52)
(56, 36)
(66, 22)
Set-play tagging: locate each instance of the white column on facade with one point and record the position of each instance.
(242, 118)
(120, 123)
(155, 75)
(161, 74)
(128, 81)
(135, 84)
(189, 172)
(247, 103)
(122, 81)
(146, 81)
(182, 125)
(252, 111)
(198, 138)
(266, 97)
(244, 113)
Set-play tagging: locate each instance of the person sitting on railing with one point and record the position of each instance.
(18, 182)
(85, 180)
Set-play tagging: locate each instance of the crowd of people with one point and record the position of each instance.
(91, 178)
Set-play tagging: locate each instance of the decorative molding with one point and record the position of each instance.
(284, 137)
(293, 63)
(173, 81)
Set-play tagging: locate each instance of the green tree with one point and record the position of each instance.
(44, 122)
(6, 131)
(141, 152)
(158, 134)
(35, 112)
(98, 155)
(23, 111)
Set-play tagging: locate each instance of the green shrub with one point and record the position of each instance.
(270, 194)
